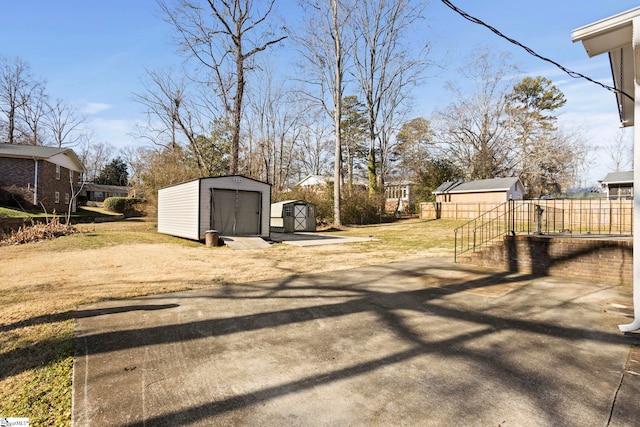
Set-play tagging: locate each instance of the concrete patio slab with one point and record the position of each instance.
(315, 239)
(245, 242)
(425, 342)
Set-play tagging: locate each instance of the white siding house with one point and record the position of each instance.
(232, 205)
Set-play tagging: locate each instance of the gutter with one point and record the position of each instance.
(35, 183)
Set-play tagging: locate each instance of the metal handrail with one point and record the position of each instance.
(536, 216)
(482, 230)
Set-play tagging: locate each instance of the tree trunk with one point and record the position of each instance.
(337, 116)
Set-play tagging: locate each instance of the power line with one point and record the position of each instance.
(571, 73)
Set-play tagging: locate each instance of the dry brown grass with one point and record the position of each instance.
(43, 283)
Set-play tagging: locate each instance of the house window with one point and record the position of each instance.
(66, 198)
(288, 211)
(71, 176)
(58, 173)
(56, 197)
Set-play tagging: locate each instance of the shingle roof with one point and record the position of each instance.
(63, 156)
(446, 186)
(618, 177)
(494, 184)
(30, 151)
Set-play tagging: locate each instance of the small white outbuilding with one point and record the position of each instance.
(293, 215)
(232, 205)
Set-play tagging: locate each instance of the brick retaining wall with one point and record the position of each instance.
(606, 260)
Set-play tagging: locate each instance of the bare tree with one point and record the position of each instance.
(275, 122)
(94, 156)
(471, 130)
(15, 82)
(385, 69)
(33, 111)
(174, 118)
(64, 123)
(221, 36)
(324, 46)
(315, 150)
(620, 151)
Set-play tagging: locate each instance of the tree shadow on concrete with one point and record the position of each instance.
(360, 292)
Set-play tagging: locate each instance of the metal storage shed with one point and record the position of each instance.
(232, 205)
(293, 215)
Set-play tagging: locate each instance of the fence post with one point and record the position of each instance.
(455, 245)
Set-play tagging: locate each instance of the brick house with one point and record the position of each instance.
(43, 177)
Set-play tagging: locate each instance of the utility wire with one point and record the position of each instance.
(571, 73)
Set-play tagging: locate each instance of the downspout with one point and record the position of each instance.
(35, 183)
(635, 44)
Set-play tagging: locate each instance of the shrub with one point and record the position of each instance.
(358, 208)
(127, 206)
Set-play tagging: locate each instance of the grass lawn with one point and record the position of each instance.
(83, 211)
(44, 283)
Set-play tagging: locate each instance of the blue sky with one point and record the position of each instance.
(94, 54)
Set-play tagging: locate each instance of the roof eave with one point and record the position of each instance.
(614, 36)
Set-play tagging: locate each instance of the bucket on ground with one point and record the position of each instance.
(211, 238)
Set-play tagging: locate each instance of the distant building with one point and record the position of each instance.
(314, 181)
(98, 192)
(618, 185)
(399, 196)
(41, 177)
(482, 190)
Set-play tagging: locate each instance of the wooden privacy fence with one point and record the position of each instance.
(575, 216)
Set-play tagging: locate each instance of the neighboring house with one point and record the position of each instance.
(618, 185)
(399, 195)
(314, 181)
(43, 177)
(482, 190)
(98, 192)
(317, 182)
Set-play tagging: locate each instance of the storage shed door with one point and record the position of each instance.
(300, 217)
(235, 212)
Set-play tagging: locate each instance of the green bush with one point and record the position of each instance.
(127, 206)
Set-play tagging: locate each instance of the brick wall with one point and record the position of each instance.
(607, 260)
(50, 183)
(17, 177)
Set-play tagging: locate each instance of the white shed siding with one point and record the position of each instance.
(234, 183)
(178, 210)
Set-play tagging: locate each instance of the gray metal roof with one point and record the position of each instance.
(618, 177)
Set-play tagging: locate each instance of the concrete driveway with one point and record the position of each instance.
(421, 343)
